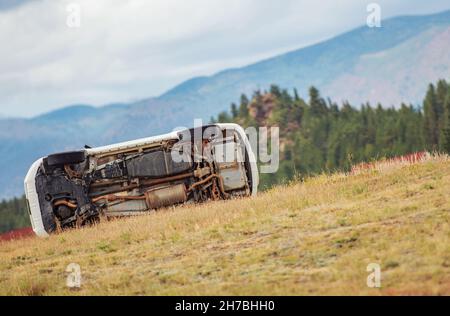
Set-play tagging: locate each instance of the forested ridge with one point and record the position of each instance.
(319, 134)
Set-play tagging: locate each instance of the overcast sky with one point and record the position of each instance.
(129, 50)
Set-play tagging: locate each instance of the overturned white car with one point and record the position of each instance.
(76, 188)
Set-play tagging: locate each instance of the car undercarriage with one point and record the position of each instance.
(83, 187)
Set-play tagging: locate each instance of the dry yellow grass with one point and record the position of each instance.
(311, 238)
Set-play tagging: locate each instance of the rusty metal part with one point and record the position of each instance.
(65, 203)
(219, 178)
(151, 182)
(112, 198)
(105, 183)
(221, 186)
(166, 196)
(197, 173)
(167, 179)
(196, 184)
(71, 173)
(215, 193)
(202, 172)
(126, 206)
(145, 182)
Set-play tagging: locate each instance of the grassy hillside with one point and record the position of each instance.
(315, 237)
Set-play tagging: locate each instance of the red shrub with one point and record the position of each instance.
(17, 234)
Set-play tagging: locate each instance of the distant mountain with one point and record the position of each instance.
(391, 64)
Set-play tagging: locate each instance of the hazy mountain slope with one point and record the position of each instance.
(325, 64)
(292, 240)
(391, 64)
(390, 78)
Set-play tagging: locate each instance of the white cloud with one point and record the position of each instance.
(134, 49)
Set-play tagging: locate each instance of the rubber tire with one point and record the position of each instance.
(66, 158)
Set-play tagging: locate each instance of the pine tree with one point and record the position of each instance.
(441, 95)
(446, 130)
(317, 104)
(431, 118)
(224, 117)
(275, 90)
(243, 108)
(296, 96)
(234, 111)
